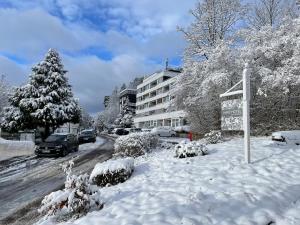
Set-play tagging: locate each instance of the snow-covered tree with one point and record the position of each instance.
(100, 121)
(86, 120)
(107, 117)
(214, 21)
(123, 87)
(275, 60)
(46, 101)
(5, 92)
(125, 117)
(113, 108)
(198, 88)
(271, 12)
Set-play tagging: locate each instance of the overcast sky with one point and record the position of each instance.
(103, 43)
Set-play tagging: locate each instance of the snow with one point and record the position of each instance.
(291, 137)
(190, 149)
(218, 188)
(9, 149)
(89, 146)
(111, 166)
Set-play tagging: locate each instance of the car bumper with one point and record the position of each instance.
(53, 153)
(85, 140)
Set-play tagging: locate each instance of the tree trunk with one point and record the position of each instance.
(47, 131)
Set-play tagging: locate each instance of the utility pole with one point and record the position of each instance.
(246, 112)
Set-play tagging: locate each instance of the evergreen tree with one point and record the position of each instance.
(46, 101)
(125, 117)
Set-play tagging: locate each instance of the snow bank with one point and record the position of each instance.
(216, 189)
(112, 171)
(9, 149)
(135, 144)
(190, 149)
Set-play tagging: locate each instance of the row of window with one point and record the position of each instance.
(154, 93)
(153, 84)
(153, 103)
(166, 122)
(152, 112)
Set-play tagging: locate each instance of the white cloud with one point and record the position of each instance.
(13, 72)
(148, 32)
(93, 78)
(30, 33)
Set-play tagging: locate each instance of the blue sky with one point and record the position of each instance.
(103, 43)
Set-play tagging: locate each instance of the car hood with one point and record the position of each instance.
(85, 136)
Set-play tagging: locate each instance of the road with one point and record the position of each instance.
(26, 180)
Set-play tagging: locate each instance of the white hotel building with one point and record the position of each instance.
(153, 99)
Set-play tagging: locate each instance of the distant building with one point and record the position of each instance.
(106, 101)
(68, 128)
(128, 96)
(153, 98)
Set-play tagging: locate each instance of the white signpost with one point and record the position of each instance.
(231, 111)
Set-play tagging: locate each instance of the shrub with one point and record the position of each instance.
(213, 137)
(74, 201)
(112, 172)
(190, 149)
(135, 144)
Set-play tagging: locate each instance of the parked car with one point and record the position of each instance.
(135, 130)
(146, 130)
(121, 131)
(163, 131)
(110, 130)
(87, 136)
(290, 137)
(57, 144)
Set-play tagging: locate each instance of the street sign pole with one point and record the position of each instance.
(246, 112)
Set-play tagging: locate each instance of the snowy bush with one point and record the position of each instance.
(75, 200)
(213, 137)
(135, 144)
(190, 149)
(112, 172)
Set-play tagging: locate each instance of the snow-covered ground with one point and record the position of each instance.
(87, 146)
(9, 149)
(218, 188)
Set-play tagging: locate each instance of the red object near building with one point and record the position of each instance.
(190, 136)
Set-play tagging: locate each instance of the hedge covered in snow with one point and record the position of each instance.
(190, 149)
(213, 137)
(135, 144)
(74, 201)
(112, 172)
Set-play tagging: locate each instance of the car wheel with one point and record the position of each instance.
(172, 135)
(64, 152)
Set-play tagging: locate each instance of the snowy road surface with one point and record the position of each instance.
(25, 180)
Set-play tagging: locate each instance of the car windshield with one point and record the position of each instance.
(87, 133)
(55, 137)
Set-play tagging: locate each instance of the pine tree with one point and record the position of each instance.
(46, 101)
(125, 117)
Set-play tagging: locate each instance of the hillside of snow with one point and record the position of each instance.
(218, 188)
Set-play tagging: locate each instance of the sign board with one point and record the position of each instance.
(232, 115)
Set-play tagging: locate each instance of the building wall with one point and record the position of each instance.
(153, 99)
(130, 95)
